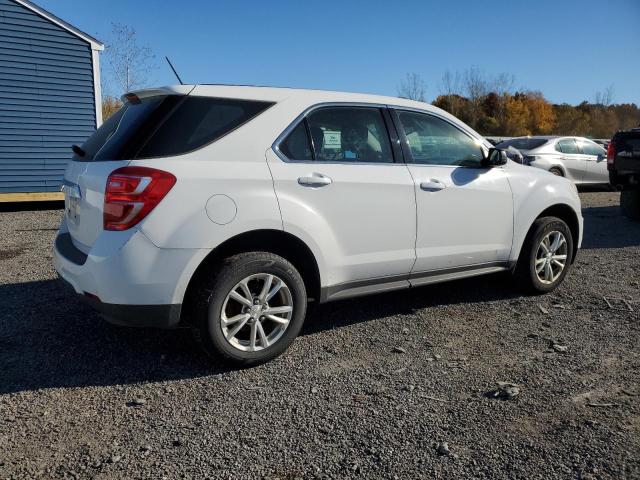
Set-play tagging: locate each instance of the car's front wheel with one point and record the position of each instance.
(546, 255)
(252, 309)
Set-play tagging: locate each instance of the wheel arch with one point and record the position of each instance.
(278, 242)
(567, 214)
(558, 166)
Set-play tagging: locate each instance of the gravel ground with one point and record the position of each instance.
(373, 388)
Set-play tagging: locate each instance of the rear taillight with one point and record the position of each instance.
(131, 194)
(611, 153)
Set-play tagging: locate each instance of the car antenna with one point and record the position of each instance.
(174, 71)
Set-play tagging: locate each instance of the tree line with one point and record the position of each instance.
(493, 107)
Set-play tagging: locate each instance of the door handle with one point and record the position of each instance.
(433, 185)
(314, 180)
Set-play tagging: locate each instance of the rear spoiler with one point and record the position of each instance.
(154, 92)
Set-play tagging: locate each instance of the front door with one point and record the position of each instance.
(596, 162)
(340, 186)
(574, 162)
(465, 211)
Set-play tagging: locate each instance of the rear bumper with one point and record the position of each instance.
(155, 316)
(127, 278)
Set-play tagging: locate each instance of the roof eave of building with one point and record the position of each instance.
(95, 43)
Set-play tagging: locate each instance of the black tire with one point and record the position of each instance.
(526, 271)
(556, 171)
(207, 327)
(630, 204)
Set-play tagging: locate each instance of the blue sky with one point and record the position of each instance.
(568, 49)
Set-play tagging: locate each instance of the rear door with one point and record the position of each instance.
(573, 161)
(596, 161)
(340, 185)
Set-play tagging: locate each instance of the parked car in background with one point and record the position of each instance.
(229, 208)
(579, 159)
(496, 140)
(623, 163)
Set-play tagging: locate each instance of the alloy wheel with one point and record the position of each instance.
(551, 257)
(256, 312)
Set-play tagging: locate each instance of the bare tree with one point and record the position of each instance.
(130, 62)
(451, 83)
(412, 87)
(604, 98)
(475, 84)
(476, 87)
(503, 83)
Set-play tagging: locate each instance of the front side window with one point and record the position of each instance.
(567, 145)
(433, 141)
(591, 148)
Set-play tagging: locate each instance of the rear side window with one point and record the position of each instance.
(351, 134)
(296, 146)
(568, 145)
(199, 121)
(167, 125)
(340, 134)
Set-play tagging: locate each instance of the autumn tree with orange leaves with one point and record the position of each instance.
(491, 107)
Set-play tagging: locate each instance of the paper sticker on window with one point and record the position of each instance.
(332, 139)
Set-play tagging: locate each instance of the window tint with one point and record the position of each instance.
(436, 142)
(352, 134)
(296, 145)
(167, 125)
(591, 148)
(568, 145)
(121, 136)
(197, 122)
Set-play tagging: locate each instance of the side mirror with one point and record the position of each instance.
(495, 157)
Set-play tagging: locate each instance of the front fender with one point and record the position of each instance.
(533, 194)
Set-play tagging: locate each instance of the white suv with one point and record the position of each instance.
(228, 208)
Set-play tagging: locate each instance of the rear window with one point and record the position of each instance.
(523, 143)
(169, 125)
(628, 142)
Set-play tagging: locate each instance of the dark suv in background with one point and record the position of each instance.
(623, 163)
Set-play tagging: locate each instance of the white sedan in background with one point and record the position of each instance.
(579, 159)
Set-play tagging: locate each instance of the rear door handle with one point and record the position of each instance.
(433, 185)
(315, 180)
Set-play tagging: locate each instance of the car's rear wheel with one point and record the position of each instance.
(252, 309)
(546, 255)
(630, 203)
(556, 171)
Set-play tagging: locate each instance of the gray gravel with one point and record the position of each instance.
(456, 380)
